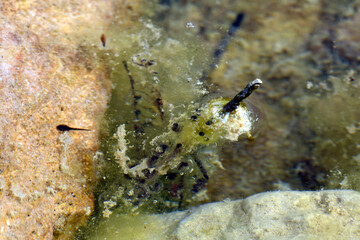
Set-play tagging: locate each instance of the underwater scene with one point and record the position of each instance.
(220, 100)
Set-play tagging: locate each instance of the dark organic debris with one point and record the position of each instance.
(235, 102)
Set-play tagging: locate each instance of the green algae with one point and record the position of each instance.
(156, 84)
(161, 143)
(124, 226)
(155, 81)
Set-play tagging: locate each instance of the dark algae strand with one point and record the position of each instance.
(220, 49)
(235, 102)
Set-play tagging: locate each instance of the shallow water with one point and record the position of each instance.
(305, 53)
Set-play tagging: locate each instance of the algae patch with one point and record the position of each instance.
(162, 132)
(175, 172)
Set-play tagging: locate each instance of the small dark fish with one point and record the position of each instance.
(63, 128)
(103, 39)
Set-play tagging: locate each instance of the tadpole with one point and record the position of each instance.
(63, 128)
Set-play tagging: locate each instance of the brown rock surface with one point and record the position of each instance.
(50, 75)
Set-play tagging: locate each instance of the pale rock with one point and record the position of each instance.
(331, 214)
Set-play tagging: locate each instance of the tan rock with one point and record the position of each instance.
(50, 75)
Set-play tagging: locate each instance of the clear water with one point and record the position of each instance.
(305, 53)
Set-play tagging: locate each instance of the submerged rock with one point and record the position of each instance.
(331, 214)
